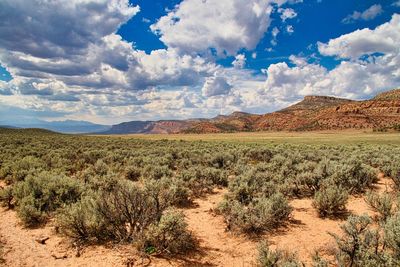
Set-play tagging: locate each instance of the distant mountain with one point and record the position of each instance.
(8, 127)
(67, 126)
(315, 102)
(145, 127)
(312, 113)
(132, 127)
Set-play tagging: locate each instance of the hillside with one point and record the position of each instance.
(67, 126)
(312, 113)
(388, 95)
(313, 102)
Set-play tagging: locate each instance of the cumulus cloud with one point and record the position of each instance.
(216, 86)
(289, 29)
(368, 14)
(240, 61)
(97, 74)
(166, 67)
(384, 39)
(373, 67)
(4, 88)
(287, 13)
(275, 32)
(196, 26)
(48, 29)
(97, 62)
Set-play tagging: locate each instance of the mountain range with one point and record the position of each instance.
(312, 113)
(67, 126)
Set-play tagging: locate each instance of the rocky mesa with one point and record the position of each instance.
(312, 113)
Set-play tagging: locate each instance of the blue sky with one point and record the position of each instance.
(119, 60)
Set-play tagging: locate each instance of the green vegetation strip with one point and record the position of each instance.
(130, 188)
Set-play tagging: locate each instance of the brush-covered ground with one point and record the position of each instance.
(254, 199)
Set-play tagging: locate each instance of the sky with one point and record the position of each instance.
(110, 61)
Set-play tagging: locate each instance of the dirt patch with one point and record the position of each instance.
(217, 247)
(22, 249)
(222, 248)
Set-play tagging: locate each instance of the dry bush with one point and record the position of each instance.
(170, 235)
(382, 204)
(261, 214)
(392, 234)
(274, 258)
(360, 245)
(330, 201)
(38, 196)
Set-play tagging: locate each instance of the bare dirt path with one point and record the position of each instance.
(222, 248)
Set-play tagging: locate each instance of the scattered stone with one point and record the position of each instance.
(129, 262)
(42, 240)
(78, 248)
(59, 257)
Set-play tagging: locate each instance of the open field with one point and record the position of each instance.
(322, 137)
(248, 199)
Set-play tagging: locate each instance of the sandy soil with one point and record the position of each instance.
(217, 247)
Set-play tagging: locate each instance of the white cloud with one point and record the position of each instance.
(287, 13)
(275, 32)
(240, 61)
(384, 39)
(227, 26)
(289, 29)
(98, 76)
(216, 86)
(102, 74)
(102, 62)
(39, 28)
(368, 14)
(364, 75)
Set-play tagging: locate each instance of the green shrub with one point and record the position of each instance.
(354, 176)
(259, 154)
(170, 235)
(127, 210)
(250, 185)
(100, 168)
(80, 220)
(178, 192)
(7, 197)
(28, 165)
(330, 201)
(156, 172)
(195, 179)
(133, 173)
(359, 245)
(38, 196)
(221, 160)
(275, 258)
(128, 213)
(122, 212)
(261, 214)
(318, 261)
(395, 175)
(382, 204)
(392, 234)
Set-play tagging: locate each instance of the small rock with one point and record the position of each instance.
(59, 257)
(42, 240)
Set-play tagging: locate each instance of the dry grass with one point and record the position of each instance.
(316, 137)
